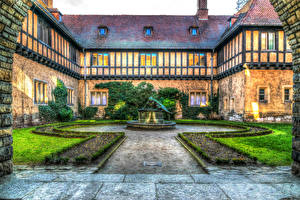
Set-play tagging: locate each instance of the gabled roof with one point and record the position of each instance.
(261, 13)
(254, 13)
(126, 31)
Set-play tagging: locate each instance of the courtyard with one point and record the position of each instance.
(173, 173)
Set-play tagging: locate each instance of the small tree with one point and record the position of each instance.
(57, 110)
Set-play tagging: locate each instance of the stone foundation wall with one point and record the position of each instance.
(183, 85)
(25, 71)
(12, 14)
(232, 97)
(275, 109)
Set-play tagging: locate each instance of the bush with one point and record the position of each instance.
(222, 161)
(47, 113)
(57, 110)
(239, 161)
(125, 99)
(88, 112)
(81, 160)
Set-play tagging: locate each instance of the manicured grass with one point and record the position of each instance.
(32, 148)
(274, 149)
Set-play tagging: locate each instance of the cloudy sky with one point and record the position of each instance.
(143, 7)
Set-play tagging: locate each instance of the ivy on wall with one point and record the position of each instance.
(125, 100)
(57, 110)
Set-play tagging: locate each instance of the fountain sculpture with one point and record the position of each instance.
(152, 116)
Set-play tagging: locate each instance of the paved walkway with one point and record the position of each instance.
(51, 183)
(152, 147)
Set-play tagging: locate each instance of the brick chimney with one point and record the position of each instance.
(202, 13)
(56, 13)
(50, 4)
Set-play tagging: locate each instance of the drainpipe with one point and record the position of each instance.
(85, 83)
(212, 76)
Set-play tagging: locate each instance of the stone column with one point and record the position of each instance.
(289, 13)
(12, 13)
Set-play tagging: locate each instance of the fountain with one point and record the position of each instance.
(152, 117)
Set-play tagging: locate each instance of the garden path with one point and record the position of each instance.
(152, 146)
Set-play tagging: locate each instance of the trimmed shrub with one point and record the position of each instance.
(88, 112)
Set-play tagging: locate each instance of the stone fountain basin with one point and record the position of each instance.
(137, 124)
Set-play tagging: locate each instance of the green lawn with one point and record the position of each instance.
(32, 149)
(274, 149)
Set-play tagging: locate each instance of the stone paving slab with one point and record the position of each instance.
(65, 190)
(189, 192)
(252, 191)
(14, 188)
(233, 183)
(82, 177)
(221, 178)
(134, 191)
(291, 189)
(158, 178)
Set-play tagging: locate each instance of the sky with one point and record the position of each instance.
(143, 7)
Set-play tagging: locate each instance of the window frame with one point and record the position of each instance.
(103, 54)
(266, 94)
(201, 94)
(193, 57)
(267, 42)
(152, 56)
(45, 92)
(100, 28)
(101, 98)
(43, 32)
(284, 88)
(148, 28)
(70, 100)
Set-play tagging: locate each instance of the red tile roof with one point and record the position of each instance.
(126, 31)
(170, 32)
(261, 13)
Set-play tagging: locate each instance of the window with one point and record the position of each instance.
(196, 59)
(99, 98)
(194, 31)
(40, 92)
(148, 31)
(262, 95)
(73, 55)
(268, 41)
(103, 31)
(198, 99)
(100, 59)
(44, 32)
(149, 59)
(70, 96)
(287, 94)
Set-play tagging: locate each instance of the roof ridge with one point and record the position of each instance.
(253, 4)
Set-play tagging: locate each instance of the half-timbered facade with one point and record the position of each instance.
(245, 58)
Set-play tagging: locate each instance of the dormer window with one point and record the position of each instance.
(194, 31)
(148, 31)
(103, 31)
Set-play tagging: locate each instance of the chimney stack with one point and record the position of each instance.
(202, 13)
(50, 4)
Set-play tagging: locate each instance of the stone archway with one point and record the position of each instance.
(289, 13)
(13, 13)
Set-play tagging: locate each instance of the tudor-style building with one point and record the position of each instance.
(245, 57)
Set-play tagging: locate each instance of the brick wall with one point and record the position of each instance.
(12, 13)
(289, 13)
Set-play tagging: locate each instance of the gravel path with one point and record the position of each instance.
(152, 146)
